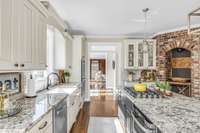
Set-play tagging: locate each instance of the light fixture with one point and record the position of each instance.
(145, 41)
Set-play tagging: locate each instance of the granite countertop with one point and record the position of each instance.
(33, 110)
(176, 114)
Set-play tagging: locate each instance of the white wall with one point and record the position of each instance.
(98, 55)
(110, 72)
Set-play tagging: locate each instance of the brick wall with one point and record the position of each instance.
(179, 39)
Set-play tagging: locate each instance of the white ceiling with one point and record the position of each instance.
(124, 17)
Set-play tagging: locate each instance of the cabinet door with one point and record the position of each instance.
(140, 55)
(6, 57)
(69, 53)
(27, 46)
(130, 54)
(151, 55)
(41, 41)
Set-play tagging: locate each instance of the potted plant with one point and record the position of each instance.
(167, 88)
(67, 76)
(157, 83)
(162, 87)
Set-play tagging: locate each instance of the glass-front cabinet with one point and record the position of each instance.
(140, 51)
(131, 55)
(140, 56)
(151, 54)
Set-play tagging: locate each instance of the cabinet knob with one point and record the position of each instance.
(22, 65)
(16, 65)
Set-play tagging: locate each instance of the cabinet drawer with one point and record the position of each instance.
(43, 125)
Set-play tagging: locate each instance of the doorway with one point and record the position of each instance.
(102, 71)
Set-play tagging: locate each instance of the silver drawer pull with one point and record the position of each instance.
(43, 125)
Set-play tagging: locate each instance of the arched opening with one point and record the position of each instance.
(178, 73)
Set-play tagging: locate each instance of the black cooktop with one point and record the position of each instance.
(147, 94)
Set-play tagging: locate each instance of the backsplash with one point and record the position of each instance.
(12, 81)
(18, 82)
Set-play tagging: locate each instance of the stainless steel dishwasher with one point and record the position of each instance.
(60, 117)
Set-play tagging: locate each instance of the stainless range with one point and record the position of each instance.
(134, 120)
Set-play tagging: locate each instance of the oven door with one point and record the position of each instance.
(129, 121)
(141, 124)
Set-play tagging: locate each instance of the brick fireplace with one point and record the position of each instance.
(179, 39)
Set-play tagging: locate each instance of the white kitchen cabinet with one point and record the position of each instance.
(63, 51)
(10, 33)
(69, 53)
(139, 56)
(18, 50)
(45, 125)
(35, 34)
(41, 45)
(74, 106)
(130, 53)
(28, 47)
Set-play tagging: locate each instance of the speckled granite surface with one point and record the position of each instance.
(177, 114)
(33, 111)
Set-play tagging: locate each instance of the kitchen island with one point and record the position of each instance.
(176, 114)
(34, 109)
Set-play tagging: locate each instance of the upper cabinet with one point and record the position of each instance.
(69, 42)
(10, 33)
(139, 56)
(63, 51)
(22, 35)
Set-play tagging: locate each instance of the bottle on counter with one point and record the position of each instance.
(5, 97)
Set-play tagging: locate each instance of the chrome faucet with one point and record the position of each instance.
(49, 80)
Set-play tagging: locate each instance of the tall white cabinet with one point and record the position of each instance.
(139, 56)
(22, 35)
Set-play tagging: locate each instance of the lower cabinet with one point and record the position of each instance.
(43, 126)
(74, 106)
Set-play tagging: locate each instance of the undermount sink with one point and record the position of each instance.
(60, 90)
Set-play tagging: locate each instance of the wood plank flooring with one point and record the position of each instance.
(103, 105)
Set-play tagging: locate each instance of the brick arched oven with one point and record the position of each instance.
(179, 39)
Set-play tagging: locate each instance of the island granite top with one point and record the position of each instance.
(176, 114)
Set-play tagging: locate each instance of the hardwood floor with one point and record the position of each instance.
(81, 125)
(103, 105)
